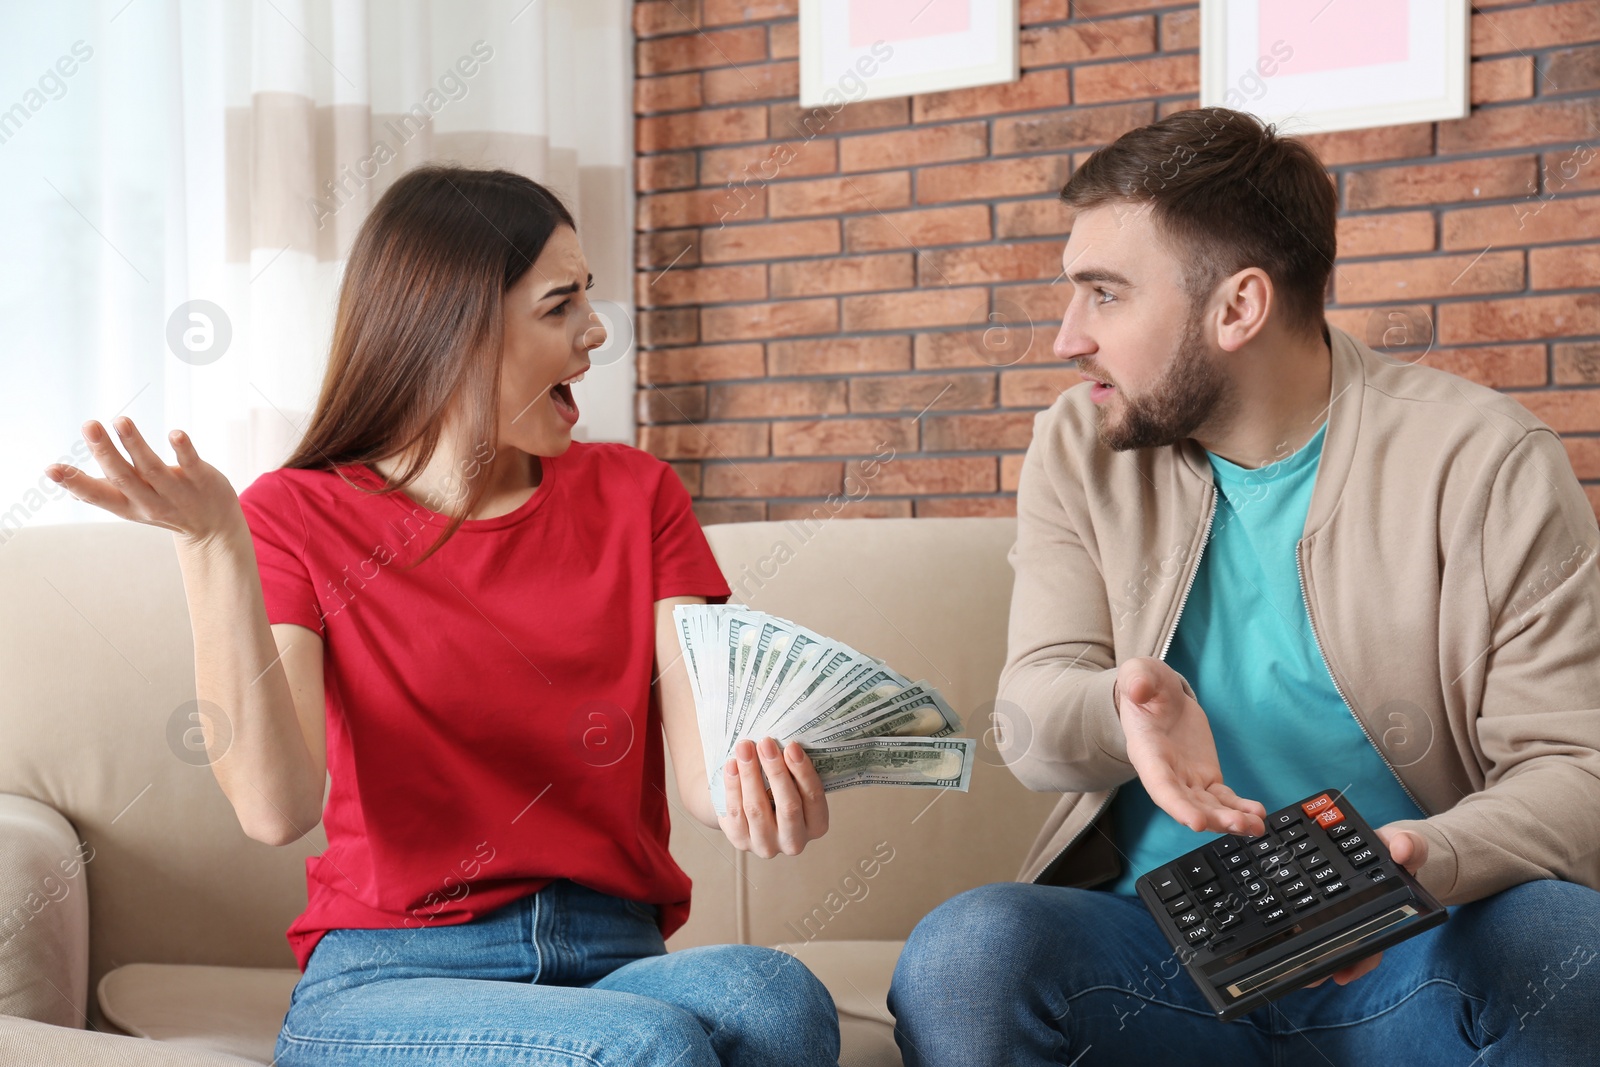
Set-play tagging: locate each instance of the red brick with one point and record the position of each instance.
(697, 51)
(843, 507)
(757, 81)
(675, 403)
(917, 229)
(1034, 91)
(1033, 218)
(699, 207)
(1035, 387)
(828, 196)
(1584, 455)
(1008, 342)
(929, 144)
(1569, 411)
(790, 318)
(843, 437)
(1040, 304)
(997, 431)
(758, 400)
(1557, 122)
(942, 507)
(758, 164)
(784, 38)
(1499, 367)
(808, 122)
(1530, 221)
(909, 310)
(1571, 70)
(701, 285)
(1537, 26)
(1568, 267)
(1114, 39)
(1180, 30)
(1578, 364)
(847, 274)
(774, 479)
(991, 263)
(1371, 145)
(689, 475)
(675, 92)
(715, 512)
(1010, 473)
(1497, 80)
(840, 355)
(705, 440)
(1035, 11)
(1078, 128)
(1092, 9)
(1370, 324)
(1382, 235)
(1137, 78)
(1531, 318)
(658, 17)
(668, 326)
(1028, 176)
(675, 170)
(920, 392)
(690, 129)
(901, 474)
(1434, 183)
(701, 364)
(770, 240)
(658, 248)
(724, 12)
(1571, 170)
(1378, 281)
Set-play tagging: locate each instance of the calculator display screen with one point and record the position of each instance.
(1319, 918)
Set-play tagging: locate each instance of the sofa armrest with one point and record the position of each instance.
(44, 914)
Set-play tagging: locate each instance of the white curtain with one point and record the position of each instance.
(182, 180)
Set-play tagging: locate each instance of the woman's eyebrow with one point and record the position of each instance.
(564, 290)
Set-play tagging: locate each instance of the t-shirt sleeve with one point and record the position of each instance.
(278, 532)
(684, 565)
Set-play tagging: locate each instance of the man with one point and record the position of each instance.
(1256, 560)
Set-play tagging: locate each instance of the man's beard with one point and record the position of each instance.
(1183, 398)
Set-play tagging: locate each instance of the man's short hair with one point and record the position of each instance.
(1230, 193)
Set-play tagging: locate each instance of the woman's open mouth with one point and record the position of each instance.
(561, 397)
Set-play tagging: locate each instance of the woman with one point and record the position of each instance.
(479, 611)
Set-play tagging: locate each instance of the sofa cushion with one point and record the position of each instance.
(857, 973)
(233, 1010)
(44, 928)
(27, 1043)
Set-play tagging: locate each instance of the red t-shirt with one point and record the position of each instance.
(491, 724)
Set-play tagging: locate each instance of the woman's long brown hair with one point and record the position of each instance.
(420, 320)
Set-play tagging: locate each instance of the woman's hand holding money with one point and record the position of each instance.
(779, 814)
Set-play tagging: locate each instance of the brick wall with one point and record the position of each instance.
(852, 314)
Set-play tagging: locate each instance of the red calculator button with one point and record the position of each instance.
(1331, 817)
(1311, 807)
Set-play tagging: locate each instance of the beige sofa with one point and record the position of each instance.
(131, 903)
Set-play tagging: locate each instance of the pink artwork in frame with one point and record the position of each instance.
(1364, 33)
(902, 20)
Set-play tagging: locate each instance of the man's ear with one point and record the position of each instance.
(1247, 298)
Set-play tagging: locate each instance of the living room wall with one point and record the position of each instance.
(851, 313)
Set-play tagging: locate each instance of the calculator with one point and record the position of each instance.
(1254, 918)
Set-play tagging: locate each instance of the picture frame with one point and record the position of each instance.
(1317, 66)
(872, 49)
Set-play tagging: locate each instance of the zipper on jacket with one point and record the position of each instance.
(1317, 641)
(1194, 572)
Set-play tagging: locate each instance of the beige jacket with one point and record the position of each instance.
(1449, 568)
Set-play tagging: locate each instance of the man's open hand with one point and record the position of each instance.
(1171, 747)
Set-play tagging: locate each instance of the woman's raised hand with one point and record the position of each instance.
(796, 810)
(193, 500)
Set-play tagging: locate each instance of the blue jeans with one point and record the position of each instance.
(1021, 974)
(565, 976)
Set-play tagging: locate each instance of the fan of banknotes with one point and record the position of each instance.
(862, 723)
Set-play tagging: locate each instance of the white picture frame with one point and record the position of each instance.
(1410, 61)
(870, 49)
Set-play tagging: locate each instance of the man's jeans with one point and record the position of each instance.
(565, 976)
(1021, 974)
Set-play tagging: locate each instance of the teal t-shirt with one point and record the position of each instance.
(1244, 643)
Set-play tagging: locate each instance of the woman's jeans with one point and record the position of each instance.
(565, 976)
(1022, 975)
